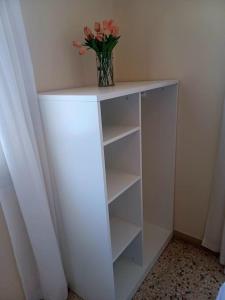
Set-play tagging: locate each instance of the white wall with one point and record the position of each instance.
(184, 40)
(51, 27)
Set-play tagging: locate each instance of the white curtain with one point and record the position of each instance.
(19, 239)
(22, 144)
(214, 237)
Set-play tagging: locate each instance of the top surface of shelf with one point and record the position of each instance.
(94, 93)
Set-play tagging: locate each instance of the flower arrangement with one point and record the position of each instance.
(102, 40)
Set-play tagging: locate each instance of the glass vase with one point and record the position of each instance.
(104, 69)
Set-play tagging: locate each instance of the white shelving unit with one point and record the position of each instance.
(112, 155)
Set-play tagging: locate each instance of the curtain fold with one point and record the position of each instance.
(23, 254)
(20, 129)
(214, 236)
(18, 235)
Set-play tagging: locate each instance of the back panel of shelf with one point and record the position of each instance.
(122, 111)
(127, 208)
(159, 111)
(120, 117)
(128, 205)
(124, 155)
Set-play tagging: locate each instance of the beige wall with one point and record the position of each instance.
(183, 39)
(51, 27)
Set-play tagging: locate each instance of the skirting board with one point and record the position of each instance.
(193, 241)
(187, 238)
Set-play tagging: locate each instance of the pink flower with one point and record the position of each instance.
(115, 30)
(88, 32)
(110, 23)
(109, 27)
(102, 33)
(105, 24)
(77, 44)
(82, 50)
(97, 27)
(99, 37)
(107, 32)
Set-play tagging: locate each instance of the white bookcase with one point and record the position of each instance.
(112, 155)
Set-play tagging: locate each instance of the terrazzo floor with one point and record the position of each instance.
(183, 272)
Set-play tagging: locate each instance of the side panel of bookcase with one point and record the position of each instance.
(74, 138)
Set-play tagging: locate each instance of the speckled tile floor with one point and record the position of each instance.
(183, 272)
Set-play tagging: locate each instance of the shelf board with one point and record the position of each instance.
(122, 234)
(129, 275)
(118, 182)
(94, 93)
(114, 133)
